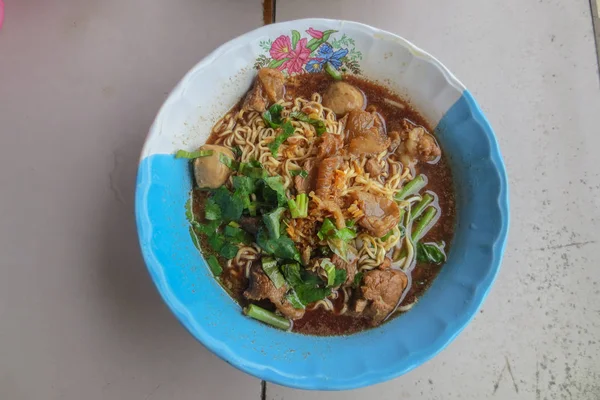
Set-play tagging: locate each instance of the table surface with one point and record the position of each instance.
(80, 82)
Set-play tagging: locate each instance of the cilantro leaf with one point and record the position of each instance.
(273, 192)
(340, 277)
(318, 124)
(283, 247)
(272, 116)
(288, 130)
(432, 253)
(212, 211)
(231, 206)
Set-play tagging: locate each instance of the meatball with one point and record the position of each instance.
(209, 171)
(342, 98)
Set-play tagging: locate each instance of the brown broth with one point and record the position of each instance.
(325, 323)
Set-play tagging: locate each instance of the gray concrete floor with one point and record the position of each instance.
(80, 82)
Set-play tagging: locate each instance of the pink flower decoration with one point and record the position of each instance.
(281, 47)
(315, 33)
(1, 12)
(298, 57)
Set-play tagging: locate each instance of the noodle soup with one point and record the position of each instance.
(322, 206)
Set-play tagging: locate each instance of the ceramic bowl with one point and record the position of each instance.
(183, 279)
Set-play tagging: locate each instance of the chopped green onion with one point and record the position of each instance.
(420, 206)
(214, 265)
(387, 235)
(422, 223)
(299, 172)
(193, 154)
(412, 187)
(288, 130)
(267, 317)
(299, 206)
(318, 124)
(334, 73)
(269, 265)
(329, 268)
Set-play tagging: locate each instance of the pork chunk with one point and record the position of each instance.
(268, 88)
(382, 290)
(365, 133)
(380, 213)
(261, 288)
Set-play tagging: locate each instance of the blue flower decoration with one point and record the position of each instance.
(326, 54)
(314, 65)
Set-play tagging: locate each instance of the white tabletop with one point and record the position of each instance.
(80, 82)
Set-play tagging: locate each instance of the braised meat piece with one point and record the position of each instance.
(380, 213)
(416, 144)
(269, 88)
(326, 176)
(373, 168)
(261, 288)
(365, 133)
(306, 185)
(382, 290)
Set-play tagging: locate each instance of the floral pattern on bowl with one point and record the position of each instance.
(294, 54)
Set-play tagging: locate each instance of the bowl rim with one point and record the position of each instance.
(498, 245)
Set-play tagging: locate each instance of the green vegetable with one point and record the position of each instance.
(272, 116)
(412, 187)
(340, 277)
(294, 300)
(325, 251)
(318, 124)
(269, 265)
(228, 162)
(251, 171)
(237, 150)
(283, 247)
(299, 172)
(299, 206)
(311, 292)
(193, 154)
(342, 248)
(334, 73)
(267, 317)
(329, 231)
(273, 192)
(272, 222)
(229, 250)
(287, 131)
(214, 265)
(420, 206)
(357, 279)
(231, 205)
(212, 211)
(432, 253)
(244, 184)
(307, 288)
(194, 237)
(418, 230)
(387, 235)
(329, 268)
(235, 234)
(209, 228)
(292, 274)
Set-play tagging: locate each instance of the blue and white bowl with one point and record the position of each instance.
(183, 279)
